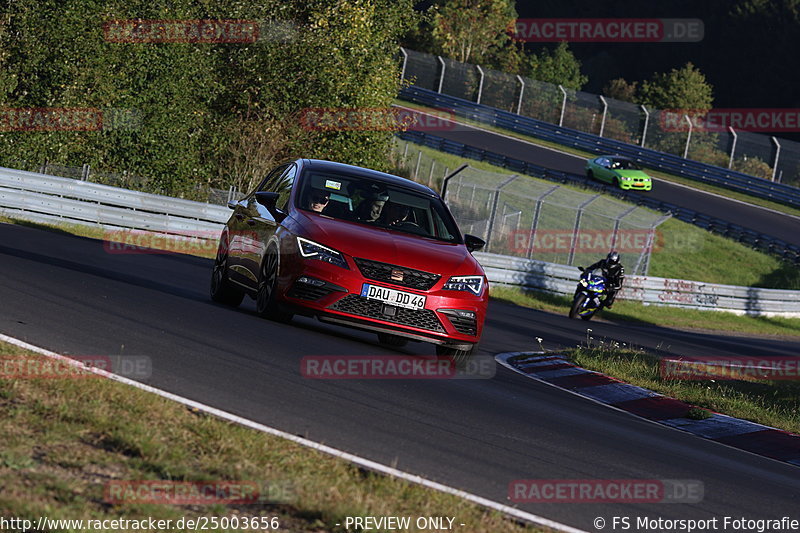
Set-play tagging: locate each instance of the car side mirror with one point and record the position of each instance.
(473, 243)
(232, 204)
(270, 201)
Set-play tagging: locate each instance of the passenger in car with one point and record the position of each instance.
(370, 208)
(317, 201)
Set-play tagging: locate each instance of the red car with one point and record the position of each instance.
(354, 247)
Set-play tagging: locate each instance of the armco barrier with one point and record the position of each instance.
(561, 279)
(759, 241)
(49, 199)
(44, 198)
(588, 142)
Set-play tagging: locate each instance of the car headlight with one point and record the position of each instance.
(314, 250)
(473, 284)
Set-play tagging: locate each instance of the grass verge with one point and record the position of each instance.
(67, 440)
(655, 173)
(773, 403)
(670, 317)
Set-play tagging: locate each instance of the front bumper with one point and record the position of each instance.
(332, 293)
(636, 185)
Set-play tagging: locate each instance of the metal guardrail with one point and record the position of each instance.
(561, 279)
(759, 241)
(50, 199)
(44, 198)
(672, 164)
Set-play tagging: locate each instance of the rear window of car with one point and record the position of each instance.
(379, 204)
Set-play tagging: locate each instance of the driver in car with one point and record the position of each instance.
(396, 214)
(370, 208)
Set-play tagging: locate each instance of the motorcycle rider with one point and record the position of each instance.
(614, 273)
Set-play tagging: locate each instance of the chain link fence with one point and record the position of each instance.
(524, 217)
(752, 153)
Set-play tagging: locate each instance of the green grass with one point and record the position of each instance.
(64, 440)
(670, 317)
(773, 403)
(655, 173)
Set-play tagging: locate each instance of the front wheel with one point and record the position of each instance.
(266, 306)
(590, 174)
(577, 305)
(459, 357)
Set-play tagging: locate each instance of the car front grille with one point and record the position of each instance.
(397, 275)
(360, 306)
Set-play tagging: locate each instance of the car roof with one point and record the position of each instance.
(352, 170)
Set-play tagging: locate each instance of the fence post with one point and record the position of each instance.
(616, 225)
(430, 174)
(493, 212)
(521, 91)
(733, 146)
(605, 110)
(688, 137)
(777, 156)
(578, 226)
(405, 62)
(441, 78)
(646, 122)
(43, 168)
(563, 105)
(480, 84)
(535, 221)
(447, 179)
(416, 169)
(85, 172)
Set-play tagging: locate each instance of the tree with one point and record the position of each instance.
(620, 89)
(473, 31)
(558, 66)
(684, 89)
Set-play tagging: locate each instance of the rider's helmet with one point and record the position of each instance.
(612, 258)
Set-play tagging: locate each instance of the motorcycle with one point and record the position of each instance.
(589, 296)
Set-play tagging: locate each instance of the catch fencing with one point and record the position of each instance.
(520, 216)
(755, 154)
(561, 279)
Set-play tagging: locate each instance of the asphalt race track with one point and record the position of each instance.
(762, 220)
(69, 295)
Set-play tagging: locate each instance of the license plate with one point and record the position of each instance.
(393, 297)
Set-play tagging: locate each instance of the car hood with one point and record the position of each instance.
(632, 174)
(397, 248)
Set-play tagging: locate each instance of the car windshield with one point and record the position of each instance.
(376, 203)
(624, 164)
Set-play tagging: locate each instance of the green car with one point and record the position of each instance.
(619, 171)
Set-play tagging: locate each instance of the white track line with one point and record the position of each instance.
(511, 137)
(360, 461)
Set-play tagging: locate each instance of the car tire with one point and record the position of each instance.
(222, 291)
(617, 183)
(395, 341)
(266, 306)
(459, 357)
(590, 174)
